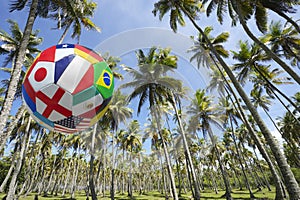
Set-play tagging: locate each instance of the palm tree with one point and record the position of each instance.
(242, 11)
(201, 51)
(222, 84)
(262, 101)
(284, 42)
(10, 49)
(190, 10)
(132, 144)
(19, 164)
(281, 8)
(289, 127)
(219, 81)
(18, 63)
(206, 114)
(11, 44)
(178, 116)
(261, 75)
(149, 84)
(77, 14)
(117, 113)
(230, 122)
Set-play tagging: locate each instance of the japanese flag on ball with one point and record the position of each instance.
(68, 88)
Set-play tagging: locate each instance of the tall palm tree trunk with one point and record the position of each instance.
(289, 178)
(64, 34)
(270, 53)
(273, 87)
(19, 164)
(162, 187)
(223, 171)
(156, 114)
(279, 189)
(29, 168)
(66, 181)
(51, 177)
(11, 168)
(130, 176)
(188, 154)
(112, 187)
(15, 76)
(91, 173)
(261, 170)
(12, 125)
(240, 161)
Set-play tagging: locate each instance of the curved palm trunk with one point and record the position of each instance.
(273, 87)
(240, 161)
(156, 114)
(261, 170)
(283, 15)
(130, 176)
(223, 171)
(188, 154)
(15, 76)
(279, 189)
(66, 181)
(289, 178)
(19, 164)
(12, 125)
(112, 187)
(12, 166)
(61, 39)
(91, 173)
(272, 55)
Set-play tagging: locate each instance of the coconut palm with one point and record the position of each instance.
(250, 67)
(201, 51)
(11, 43)
(18, 63)
(117, 113)
(206, 114)
(9, 48)
(249, 129)
(242, 11)
(74, 13)
(289, 127)
(230, 122)
(150, 85)
(132, 144)
(190, 10)
(13, 182)
(284, 41)
(219, 81)
(282, 8)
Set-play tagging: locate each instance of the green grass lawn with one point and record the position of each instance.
(207, 195)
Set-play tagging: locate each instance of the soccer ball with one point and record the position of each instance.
(67, 88)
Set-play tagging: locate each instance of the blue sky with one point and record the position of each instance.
(115, 17)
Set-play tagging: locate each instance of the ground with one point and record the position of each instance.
(206, 195)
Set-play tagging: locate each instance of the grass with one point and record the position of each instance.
(206, 195)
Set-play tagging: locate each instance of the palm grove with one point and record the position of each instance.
(218, 143)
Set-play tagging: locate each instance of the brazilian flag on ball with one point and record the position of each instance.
(103, 79)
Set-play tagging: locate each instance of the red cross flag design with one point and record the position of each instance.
(54, 103)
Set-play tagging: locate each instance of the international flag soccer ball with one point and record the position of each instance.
(68, 88)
